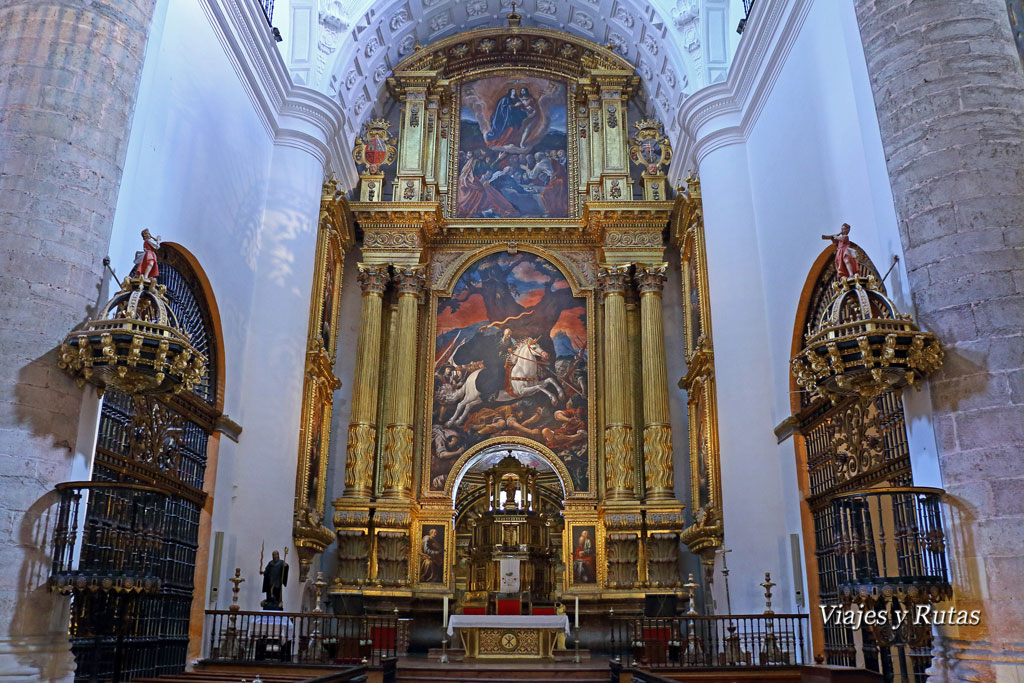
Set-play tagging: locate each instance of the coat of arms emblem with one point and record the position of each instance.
(650, 148)
(375, 148)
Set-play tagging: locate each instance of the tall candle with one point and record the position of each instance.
(577, 612)
(445, 619)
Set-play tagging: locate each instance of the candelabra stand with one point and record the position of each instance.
(231, 640)
(316, 645)
(771, 653)
(694, 652)
(733, 650)
(444, 636)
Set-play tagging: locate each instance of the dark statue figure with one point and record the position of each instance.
(275, 576)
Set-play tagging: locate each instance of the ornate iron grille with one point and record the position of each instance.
(160, 442)
(850, 447)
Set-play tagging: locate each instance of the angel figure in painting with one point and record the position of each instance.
(145, 260)
(846, 260)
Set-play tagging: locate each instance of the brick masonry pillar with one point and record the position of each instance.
(69, 75)
(949, 93)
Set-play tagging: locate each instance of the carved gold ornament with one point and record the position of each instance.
(862, 346)
(650, 147)
(136, 345)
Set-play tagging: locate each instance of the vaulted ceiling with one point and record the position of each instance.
(347, 48)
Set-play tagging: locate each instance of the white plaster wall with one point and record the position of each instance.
(810, 160)
(203, 171)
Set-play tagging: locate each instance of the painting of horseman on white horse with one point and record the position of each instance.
(511, 360)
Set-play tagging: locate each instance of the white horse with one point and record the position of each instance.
(525, 380)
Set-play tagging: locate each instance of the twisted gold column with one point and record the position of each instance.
(398, 435)
(657, 426)
(618, 430)
(362, 427)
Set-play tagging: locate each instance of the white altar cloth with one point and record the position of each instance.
(507, 621)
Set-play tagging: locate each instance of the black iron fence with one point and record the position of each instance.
(891, 536)
(715, 642)
(268, 9)
(303, 638)
(747, 6)
(117, 546)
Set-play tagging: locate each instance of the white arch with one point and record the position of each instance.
(498, 448)
(347, 48)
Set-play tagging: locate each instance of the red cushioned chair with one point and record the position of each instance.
(544, 609)
(508, 605)
(473, 609)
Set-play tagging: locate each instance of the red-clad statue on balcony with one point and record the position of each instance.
(846, 259)
(145, 260)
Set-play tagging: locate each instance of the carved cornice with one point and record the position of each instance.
(641, 215)
(529, 46)
(724, 113)
(416, 215)
(293, 115)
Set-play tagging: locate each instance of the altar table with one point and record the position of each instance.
(509, 636)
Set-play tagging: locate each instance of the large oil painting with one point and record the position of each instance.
(513, 152)
(510, 360)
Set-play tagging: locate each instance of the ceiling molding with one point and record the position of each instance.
(292, 114)
(360, 43)
(724, 113)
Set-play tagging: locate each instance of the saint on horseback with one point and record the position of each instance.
(527, 369)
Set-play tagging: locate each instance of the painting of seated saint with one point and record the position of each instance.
(513, 149)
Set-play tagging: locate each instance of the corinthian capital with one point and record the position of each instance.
(613, 279)
(650, 278)
(409, 279)
(373, 278)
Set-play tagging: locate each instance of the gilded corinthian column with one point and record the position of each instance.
(657, 427)
(398, 435)
(618, 430)
(362, 428)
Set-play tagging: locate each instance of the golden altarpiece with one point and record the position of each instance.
(510, 398)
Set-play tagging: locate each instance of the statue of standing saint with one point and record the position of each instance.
(275, 577)
(846, 259)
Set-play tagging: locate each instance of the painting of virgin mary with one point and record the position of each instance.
(513, 149)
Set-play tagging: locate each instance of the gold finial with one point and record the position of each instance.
(514, 19)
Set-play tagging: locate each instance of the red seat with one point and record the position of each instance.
(544, 610)
(509, 606)
(474, 610)
(383, 637)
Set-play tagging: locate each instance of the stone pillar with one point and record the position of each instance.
(398, 435)
(657, 441)
(949, 93)
(618, 428)
(362, 428)
(70, 74)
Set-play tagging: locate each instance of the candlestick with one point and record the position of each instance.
(577, 612)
